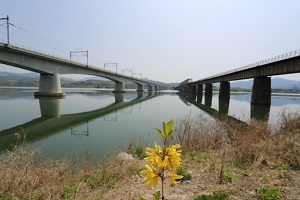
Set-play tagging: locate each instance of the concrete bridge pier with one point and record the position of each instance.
(261, 91)
(224, 106)
(199, 98)
(140, 88)
(260, 112)
(208, 89)
(208, 94)
(49, 86)
(193, 89)
(199, 93)
(224, 92)
(200, 90)
(119, 87)
(150, 88)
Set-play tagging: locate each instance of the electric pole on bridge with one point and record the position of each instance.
(87, 55)
(7, 22)
(111, 64)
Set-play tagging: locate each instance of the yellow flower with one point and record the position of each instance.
(151, 176)
(173, 176)
(161, 163)
(154, 152)
(173, 155)
(154, 155)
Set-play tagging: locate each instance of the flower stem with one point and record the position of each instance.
(162, 188)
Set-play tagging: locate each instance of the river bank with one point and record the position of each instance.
(223, 157)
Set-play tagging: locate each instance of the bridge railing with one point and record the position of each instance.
(43, 53)
(284, 56)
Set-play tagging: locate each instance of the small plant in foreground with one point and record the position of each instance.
(220, 195)
(228, 176)
(272, 193)
(139, 151)
(183, 172)
(245, 173)
(162, 160)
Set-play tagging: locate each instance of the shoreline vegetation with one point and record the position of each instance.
(22, 81)
(221, 159)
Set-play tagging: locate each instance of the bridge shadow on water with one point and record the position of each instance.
(258, 112)
(52, 122)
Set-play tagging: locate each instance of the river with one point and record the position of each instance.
(97, 122)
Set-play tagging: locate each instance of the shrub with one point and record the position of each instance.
(183, 172)
(272, 193)
(140, 152)
(220, 195)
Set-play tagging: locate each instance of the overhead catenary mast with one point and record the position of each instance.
(7, 22)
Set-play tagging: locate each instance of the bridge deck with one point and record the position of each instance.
(282, 64)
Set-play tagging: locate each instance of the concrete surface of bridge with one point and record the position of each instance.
(50, 68)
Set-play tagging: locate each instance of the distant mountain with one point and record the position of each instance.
(27, 75)
(32, 80)
(97, 78)
(7, 78)
(242, 84)
(284, 83)
(173, 84)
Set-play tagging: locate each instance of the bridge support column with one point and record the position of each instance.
(224, 106)
(140, 88)
(119, 87)
(208, 89)
(150, 88)
(49, 86)
(193, 89)
(261, 91)
(199, 93)
(208, 94)
(200, 90)
(260, 112)
(224, 92)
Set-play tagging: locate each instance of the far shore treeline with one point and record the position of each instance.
(32, 80)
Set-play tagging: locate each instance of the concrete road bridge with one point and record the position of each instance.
(260, 71)
(50, 68)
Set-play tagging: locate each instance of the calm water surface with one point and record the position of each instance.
(100, 122)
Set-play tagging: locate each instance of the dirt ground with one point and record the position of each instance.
(244, 184)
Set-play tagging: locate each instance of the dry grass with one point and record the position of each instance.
(22, 177)
(251, 144)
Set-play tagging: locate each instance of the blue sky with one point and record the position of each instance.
(164, 40)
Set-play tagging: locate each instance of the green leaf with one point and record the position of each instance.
(156, 195)
(159, 133)
(164, 128)
(168, 129)
(170, 134)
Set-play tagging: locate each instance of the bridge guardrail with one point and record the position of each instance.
(284, 56)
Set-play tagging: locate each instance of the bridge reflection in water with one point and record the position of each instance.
(259, 112)
(52, 122)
